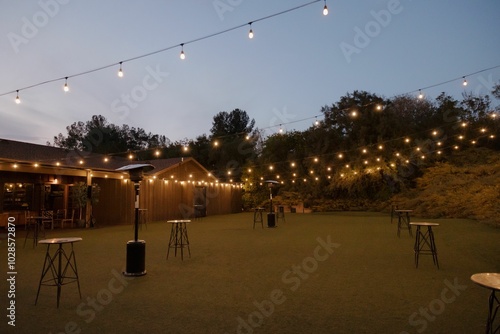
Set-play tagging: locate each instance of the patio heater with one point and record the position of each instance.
(136, 249)
(271, 217)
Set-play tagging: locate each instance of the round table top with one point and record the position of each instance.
(487, 280)
(59, 240)
(176, 221)
(424, 224)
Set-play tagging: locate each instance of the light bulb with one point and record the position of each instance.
(325, 10)
(18, 100)
(465, 82)
(120, 71)
(420, 95)
(182, 55)
(66, 88)
(250, 34)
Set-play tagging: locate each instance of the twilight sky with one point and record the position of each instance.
(296, 63)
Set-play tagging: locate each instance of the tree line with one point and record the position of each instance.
(350, 153)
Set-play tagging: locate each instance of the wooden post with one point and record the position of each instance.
(88, 207)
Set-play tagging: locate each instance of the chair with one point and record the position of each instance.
(48, 217)
(65, 216)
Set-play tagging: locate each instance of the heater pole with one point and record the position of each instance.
(136, 213)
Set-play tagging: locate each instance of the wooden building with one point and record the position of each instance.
(35, 178)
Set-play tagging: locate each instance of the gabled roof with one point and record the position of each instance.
(44, 155)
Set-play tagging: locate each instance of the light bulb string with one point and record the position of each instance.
(455, 79)
(161, 50)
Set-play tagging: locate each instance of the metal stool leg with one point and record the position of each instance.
(433, 247)
(417, 246)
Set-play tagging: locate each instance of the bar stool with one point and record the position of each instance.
(404, 219)
(257, 216)
(62, 267)
(490, 281)
(178, 237)
(423, 240)
(34, 230)
(281, 213)
(394, 207)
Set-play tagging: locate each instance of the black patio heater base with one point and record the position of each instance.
(136, 258)
(271, 220)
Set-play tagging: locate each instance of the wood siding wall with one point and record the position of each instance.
(163, 197)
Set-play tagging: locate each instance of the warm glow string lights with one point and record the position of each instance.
(415, 155)
(182, 54)
(442, 147)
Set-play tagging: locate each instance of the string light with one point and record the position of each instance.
(465, 81)
(66, 88)
(420, 94)
(18, 100)
(250, 33)
(325, 10)
(120, 71)
(182, 55)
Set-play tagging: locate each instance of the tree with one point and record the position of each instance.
(355, 118)
(235, 122)
(100, 136)
(496, 90)
(233, 143)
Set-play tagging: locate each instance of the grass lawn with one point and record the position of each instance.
(318, 273)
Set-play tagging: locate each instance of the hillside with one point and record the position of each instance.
(467, 186)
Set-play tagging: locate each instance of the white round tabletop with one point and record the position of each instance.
(424, 224)
(60, 240)
(487, 280)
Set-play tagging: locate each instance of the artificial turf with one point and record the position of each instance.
(343, 272)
